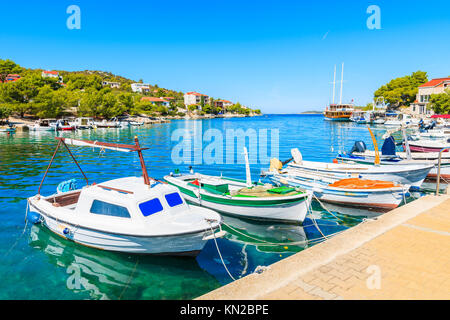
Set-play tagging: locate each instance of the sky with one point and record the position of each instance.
(278, 56)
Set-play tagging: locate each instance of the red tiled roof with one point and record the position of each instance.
(13, 76)
(152, 99)
(196, 94)
(226, 101)
(434, 82)
(51, 72)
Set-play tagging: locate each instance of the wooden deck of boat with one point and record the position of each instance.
(404, 254)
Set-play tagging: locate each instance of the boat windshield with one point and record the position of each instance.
(151, 207)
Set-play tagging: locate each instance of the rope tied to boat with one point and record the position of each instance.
(218, 250)
(326, 209)
(23, 231)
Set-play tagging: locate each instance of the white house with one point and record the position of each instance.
(434, 86)
(111, 84)
(191, 98)
(50, 74)
(140, 87)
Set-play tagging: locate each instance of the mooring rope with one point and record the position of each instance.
(23, 231)
(129, 279)
(315, 222)
(323, 206)
(218, 250)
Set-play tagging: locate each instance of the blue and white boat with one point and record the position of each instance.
(412, 175)
(131, 214)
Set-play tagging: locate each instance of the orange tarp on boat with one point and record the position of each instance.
(356, 183)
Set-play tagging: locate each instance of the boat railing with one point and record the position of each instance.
(439, 169)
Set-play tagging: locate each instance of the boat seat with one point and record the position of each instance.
(65, 199)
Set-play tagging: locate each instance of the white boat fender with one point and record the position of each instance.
(219, 234)
(317, 190)
(297, 155)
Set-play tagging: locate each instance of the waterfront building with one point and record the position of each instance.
(191, 98)
(434, 86)
(223, 104)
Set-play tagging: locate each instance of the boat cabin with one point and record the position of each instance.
(124, 198)
(46, 122)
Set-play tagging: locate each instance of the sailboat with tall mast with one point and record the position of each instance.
(340, 111)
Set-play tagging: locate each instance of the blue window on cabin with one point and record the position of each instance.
(173, 199)
(151, 207)
(109, 209)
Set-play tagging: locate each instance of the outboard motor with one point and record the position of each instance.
(433, 124)
(388, 148)
(359, 146)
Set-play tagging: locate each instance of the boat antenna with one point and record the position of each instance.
(334, 84)
(247, 169)
(342, 83)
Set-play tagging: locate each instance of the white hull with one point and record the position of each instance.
(388, 198)
(412, 175)
(289, 212)
(182, 244)
(41, 129)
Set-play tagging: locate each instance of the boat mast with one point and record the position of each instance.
(342, 82)
(141, 158)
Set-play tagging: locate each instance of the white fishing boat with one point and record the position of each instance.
(8, 128)
(107, 124)
(426, 145)
(44, 125)
(401, 120)
(391, 158)
(379, 121)
(412, 175)
(352, 192)
(243, 199)
(83, 123)
(131, 214)
(62, 125)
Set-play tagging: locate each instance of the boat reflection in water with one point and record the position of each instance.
(265, 236)
(96, 274)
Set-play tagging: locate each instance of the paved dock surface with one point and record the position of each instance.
(403, 254)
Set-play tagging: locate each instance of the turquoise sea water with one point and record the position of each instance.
(35, 264)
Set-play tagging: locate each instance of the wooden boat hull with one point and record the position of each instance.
(284, 209)
(415, 148)
(388, 198)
